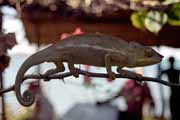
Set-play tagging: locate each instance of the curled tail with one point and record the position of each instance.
(27, 99)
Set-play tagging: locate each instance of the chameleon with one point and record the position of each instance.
(99, 50)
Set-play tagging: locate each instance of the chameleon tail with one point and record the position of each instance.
(27, 99)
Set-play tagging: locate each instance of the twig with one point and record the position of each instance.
(90, 74)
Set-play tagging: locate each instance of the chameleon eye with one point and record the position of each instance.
(148, 52)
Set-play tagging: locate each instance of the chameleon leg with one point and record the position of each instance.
(119, 69)
(71, 67)
(59, 68)
(108, 59)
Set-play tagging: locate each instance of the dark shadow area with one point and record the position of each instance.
(173, 76)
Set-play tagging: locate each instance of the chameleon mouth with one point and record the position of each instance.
(161, 56)
(158, 58)
(149, 61)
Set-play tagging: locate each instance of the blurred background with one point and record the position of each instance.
(41, 23)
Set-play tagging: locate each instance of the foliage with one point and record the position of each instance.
(152, 20)
(155, 20)
(148, 14)
(138, 19)
(174, 15)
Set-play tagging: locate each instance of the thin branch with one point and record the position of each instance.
(90, 74)
(7, 90)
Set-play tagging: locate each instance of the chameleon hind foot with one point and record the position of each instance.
(130, 74)
(75, 72)
(112, 75)
(59, 68)
(50, 72)
(46, 75)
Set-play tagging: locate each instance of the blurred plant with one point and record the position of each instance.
(174, 15)
(148, 14)
(138, 19)
(152, 20)
(26, 114)
(155, 20)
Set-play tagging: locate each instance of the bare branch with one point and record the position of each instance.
(90, 74)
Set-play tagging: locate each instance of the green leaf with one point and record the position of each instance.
(137, 19)
(176, 6)
(174, 22)
(155, 20)
(174, 15)
(175, 12)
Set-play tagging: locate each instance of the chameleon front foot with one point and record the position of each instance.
(47, 74)
(75, 72)
(112, 75)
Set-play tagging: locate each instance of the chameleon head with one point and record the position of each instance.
(143, 55)
(148, 56)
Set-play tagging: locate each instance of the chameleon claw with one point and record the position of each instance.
(63, 80)
(42, 76)
(130, 74)
(46, 80)
(46, 77)
(118, 70)
(140, 82)
(75, 73)
(139, 79)
(79, 67)
(112, 76)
